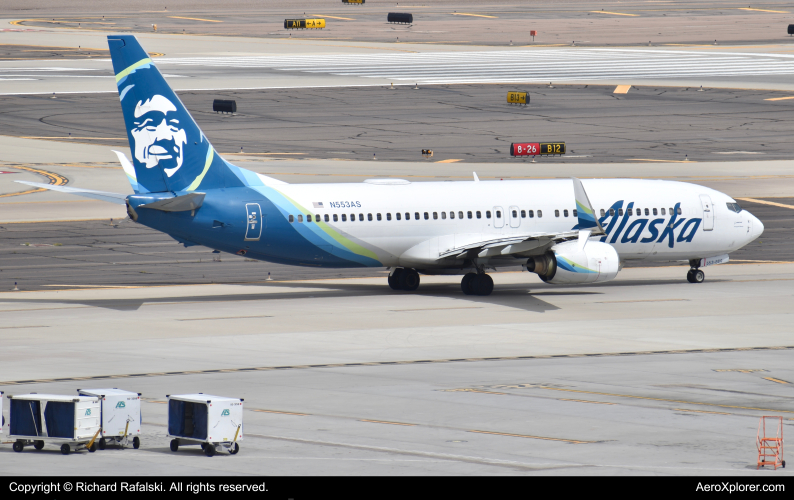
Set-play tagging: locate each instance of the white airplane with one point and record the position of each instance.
(565, 231)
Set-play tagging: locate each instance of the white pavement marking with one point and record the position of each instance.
(519, 65)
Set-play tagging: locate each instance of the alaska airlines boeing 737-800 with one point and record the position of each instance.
(566, 230)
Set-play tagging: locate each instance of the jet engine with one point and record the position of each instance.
(573, 262)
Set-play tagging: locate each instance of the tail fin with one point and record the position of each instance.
(170, 153)
(585, 210)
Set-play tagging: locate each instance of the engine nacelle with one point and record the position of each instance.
(569, 262)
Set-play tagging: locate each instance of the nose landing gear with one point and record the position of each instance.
(695, 276)
(476, 284)
(404, 279)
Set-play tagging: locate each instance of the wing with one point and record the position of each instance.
(529, 243)
(117, 198)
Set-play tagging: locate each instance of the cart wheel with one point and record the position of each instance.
(18, 446)
(38, 444)
(203, 446)
(65, 449)
(209, 449)
(92, 448)
(136, 442)
(783, 463)
(234, 449)
(174, 445)
(102, 443)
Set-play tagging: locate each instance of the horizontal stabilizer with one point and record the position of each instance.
(118, 198)
(190, 201)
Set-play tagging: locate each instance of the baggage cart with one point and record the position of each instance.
(213, 422)
(120, 416)
(69, 421)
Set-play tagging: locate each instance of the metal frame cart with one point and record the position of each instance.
(69, 421)
(120, 416)
(213, 422)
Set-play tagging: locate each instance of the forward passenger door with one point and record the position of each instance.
(708, 212)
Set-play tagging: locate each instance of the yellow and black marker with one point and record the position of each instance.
(300, 24)
(518, 98)
(552, 148)
(353, 1)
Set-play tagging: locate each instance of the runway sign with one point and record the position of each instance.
(292, 24)
(537, 148)
(518, 97)
(402, 18)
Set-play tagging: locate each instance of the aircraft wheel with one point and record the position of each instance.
(38, 444)
(236, 447)
(409, 280)
(65, 449)
(698, 276)
(209, 450)
(466, 282)
(174, 445)
(18, 446)
(483, 284)
(136, 442)
(102, 443)
(689, 276)
(394, 279)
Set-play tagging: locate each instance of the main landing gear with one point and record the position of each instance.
(476, 284)
(404, 279)
(695, 276)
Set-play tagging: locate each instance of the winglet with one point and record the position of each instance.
(130, 171)
(585, 210)
(476, 179)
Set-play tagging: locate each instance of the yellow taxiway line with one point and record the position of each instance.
(196, 19)
(765, 10)
(613, 13)
(473, 15)
(763, 202)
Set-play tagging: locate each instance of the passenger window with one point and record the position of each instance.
(344, 218)
(654, 212)
(603, 214)
(416, 216)
(308, 217)
(630, 210)
(292, 218)
(540, 213)
(663, 212)
(565, 213)
(523, 214)
(443, 215)
(369, 217)
(361, 217)
(427, 216)
(647, 212)
(396, 215)
(352, 217)
(612, 212)
(498, 214)
(388, 216)
(487, 214)
(479, 214)
(300, 218)
(452, 215)
(515, 214)
(327, 219)
(531, 214)
(469, 214)
(620, 211)
(380, 218)
(556, 213)
(679, 211)
(336, 218)
(671, 211)
(575, 213)
(460, 215)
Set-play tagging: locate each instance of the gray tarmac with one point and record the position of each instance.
(470, 123)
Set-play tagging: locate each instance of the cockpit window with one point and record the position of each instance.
(734, 207)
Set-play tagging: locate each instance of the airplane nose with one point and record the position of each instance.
(758, 226)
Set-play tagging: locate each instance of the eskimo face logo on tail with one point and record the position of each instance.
(159, 140)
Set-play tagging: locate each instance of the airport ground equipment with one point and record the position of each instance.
(427, 153)
(791, 29)
(120, 416)
(224, 106)
(73, 422)
(770, 449)
(517, 97)
(301, 24)
(400, 18)
(213, 422)
(537, 148)
(2, 417)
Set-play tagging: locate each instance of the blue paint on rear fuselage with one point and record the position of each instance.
(280, 242)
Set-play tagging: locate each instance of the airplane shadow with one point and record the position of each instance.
(517, 296)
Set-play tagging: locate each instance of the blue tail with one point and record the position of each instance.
(169, 151)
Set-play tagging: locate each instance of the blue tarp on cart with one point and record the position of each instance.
(59, 417)
(25, 418)
(186, 419)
